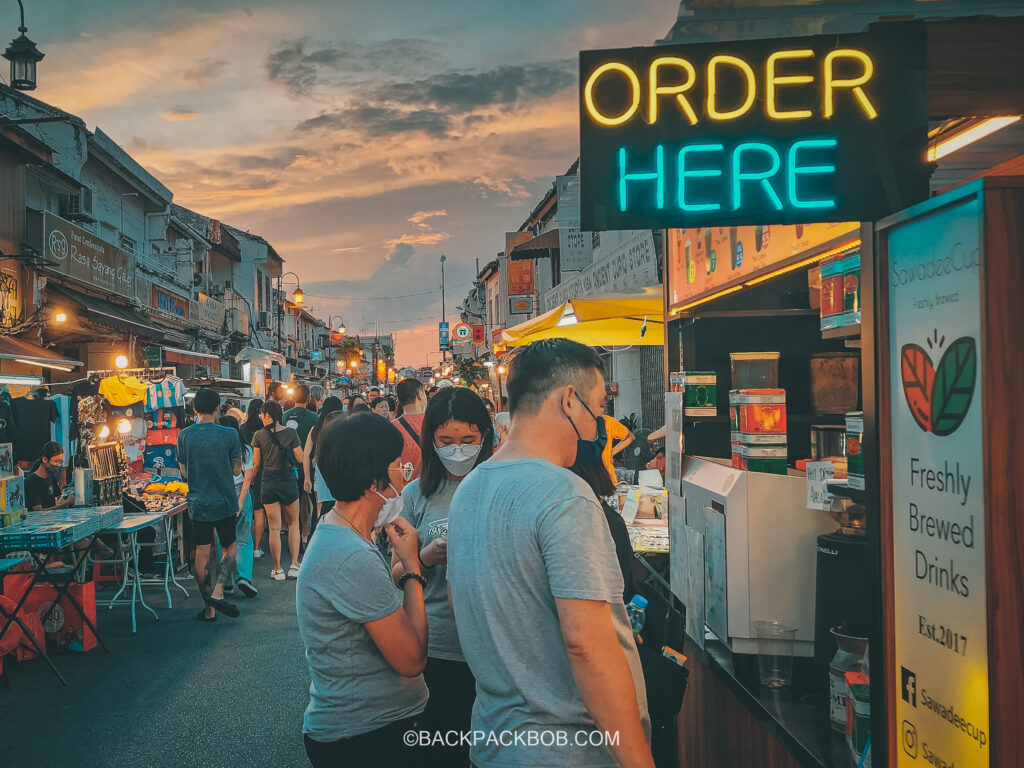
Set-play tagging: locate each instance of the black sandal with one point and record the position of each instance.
(203, 617)
(223, 606)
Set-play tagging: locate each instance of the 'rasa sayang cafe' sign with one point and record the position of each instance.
(782, 131)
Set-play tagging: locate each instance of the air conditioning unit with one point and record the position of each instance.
(202, 280)
(78, 207)
(263, 320)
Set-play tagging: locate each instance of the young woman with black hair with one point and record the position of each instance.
(247, 431)
(324, 498)
(456, 436)
(42, 485)
(276, 450)
(365, 639)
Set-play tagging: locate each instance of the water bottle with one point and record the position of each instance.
(635, 611)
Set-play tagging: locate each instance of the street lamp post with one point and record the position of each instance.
(23, 55)
(501, 371)
(330, 330)
(444, 353)
(298, 295)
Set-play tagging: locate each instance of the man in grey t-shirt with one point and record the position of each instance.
(536, 587)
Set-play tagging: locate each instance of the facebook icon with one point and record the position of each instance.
(909, 687)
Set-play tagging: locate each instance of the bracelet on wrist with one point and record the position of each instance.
(419, 556)
(414, 576)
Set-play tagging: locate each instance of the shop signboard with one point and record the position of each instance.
(168, 304)
(941, 668)
(520, 305)
(210, 313)
(153, 356)
(462, 333)
(575, 248)
(771, 131)
(317, 355)
(479, 334)
(497, 343)
(705, 260)
(630, 266)
(81, 255)
(443, 337)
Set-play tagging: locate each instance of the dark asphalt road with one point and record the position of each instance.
(179, 693)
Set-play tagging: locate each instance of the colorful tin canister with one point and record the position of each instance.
(762, 410)
(700, 393)
(831, 292)
(854, 449)
(850, 306)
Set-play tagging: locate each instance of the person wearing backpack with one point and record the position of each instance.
(277, 450)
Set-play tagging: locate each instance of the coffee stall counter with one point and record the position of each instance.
(786, 727)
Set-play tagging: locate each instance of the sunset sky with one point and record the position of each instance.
(362, 139)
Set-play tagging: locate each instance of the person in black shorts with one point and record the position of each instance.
(276, 449)
(209, 457)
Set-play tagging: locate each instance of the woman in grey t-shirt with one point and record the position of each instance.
(366, 641)
(457, 435)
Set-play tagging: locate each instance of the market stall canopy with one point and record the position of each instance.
(612, 320)
(22, 351)
(264, 356)
(539, 247)
(190, 357)
(113, 316)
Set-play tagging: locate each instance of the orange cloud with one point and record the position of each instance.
(180, 115)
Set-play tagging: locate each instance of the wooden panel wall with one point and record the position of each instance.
(1003, 361)
(717, 729)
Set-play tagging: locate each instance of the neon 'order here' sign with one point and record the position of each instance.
(780, 131)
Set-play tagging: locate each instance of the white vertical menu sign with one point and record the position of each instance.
(941, 664)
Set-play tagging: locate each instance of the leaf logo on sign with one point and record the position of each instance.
(939, 396)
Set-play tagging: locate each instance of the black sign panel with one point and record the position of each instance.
(781, 131)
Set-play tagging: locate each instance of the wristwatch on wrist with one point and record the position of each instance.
(412, 575)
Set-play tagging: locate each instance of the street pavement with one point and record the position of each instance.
(179, 693)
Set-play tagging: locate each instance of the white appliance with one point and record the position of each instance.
(759, 551)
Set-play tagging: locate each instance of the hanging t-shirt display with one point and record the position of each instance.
(169, 393)
(33, 416)
(123, 390)
(162, 437)
(133, 411)
(6, 417)
(134, 442)
(161, 456)
(62, 427)
(166, 418)
(86, 405)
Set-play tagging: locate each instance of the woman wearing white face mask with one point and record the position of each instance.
(456, 436)
(366, 641)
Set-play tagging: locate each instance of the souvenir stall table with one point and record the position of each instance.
(142, 409)
(127, 531)
(46, 534)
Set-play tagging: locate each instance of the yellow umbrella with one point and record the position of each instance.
(613, 320)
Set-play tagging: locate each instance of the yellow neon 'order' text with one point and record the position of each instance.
(673, 76)
(588, 93)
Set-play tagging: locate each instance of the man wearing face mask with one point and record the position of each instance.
(456, 438)
(535, 584)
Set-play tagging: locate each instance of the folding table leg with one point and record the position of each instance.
(14, 618)
(136, 588)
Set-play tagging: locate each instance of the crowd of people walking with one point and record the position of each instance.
(460, 587)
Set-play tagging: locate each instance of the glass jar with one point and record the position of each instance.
(849, 658)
